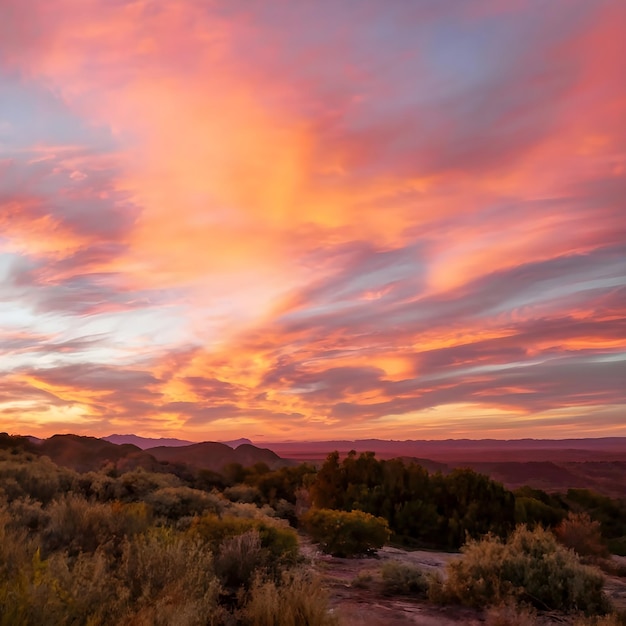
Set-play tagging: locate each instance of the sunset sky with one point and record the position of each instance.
(312, 220)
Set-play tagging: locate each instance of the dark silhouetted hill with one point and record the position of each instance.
(553, 465)
(89, 453)
(465, 450)
(214, 456)
(84, 454)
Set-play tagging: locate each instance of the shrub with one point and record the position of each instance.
(242, 545)
(532, 568)
(578, 532)
(534, 512)
(243, 493)
(297, 600)
(177, 502)
(25, 475)
(27, 513)
(362, 580)
(346, 534)
(163, 564)
(238, 559)
(402, 578)
(249, 510)
(77, 525)
(157, 578)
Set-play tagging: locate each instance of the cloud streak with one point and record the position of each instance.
(312, 220)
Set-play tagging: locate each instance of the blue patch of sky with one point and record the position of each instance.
(32, 115)
(606, 278)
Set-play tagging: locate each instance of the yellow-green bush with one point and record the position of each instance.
(402, 578)
(531, 567)
(343, 533)
(280, 540)
(25, 475)
(177, 502)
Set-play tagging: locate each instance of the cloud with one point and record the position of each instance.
(295, 216)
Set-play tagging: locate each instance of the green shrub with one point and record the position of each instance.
(532, 568)
(26, 475)
(245, 545)
(176, 502)
(345, 534)
(137, 484)
(534, 512)
(402, 578)
(243, 493)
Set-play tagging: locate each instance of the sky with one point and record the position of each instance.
(313, 220)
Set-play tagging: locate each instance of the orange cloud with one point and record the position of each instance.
(312, 218)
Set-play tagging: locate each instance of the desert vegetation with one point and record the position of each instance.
(185, 545)
(529, 568)
(143, 548)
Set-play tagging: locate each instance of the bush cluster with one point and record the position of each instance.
(346, 534)
(427, 509)
(532, 568)
(142, 549)
(402, 578)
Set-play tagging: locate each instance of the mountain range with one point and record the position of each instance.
(150, 442)
(552, 465)
(90, 453)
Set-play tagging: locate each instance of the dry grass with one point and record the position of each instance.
(298, 600)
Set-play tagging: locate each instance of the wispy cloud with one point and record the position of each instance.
(312, 219)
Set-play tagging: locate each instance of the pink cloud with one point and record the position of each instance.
(316, 213)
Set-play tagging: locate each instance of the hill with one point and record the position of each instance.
(85, 454)
(551, 465)
(465, 450)
(214, 456)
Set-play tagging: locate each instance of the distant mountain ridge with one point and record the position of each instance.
(85, 454)
(214, 455)
(461, 450)
(152, 442)
(552, 465)
(146, 442)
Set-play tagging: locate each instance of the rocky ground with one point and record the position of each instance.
(358, 597)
